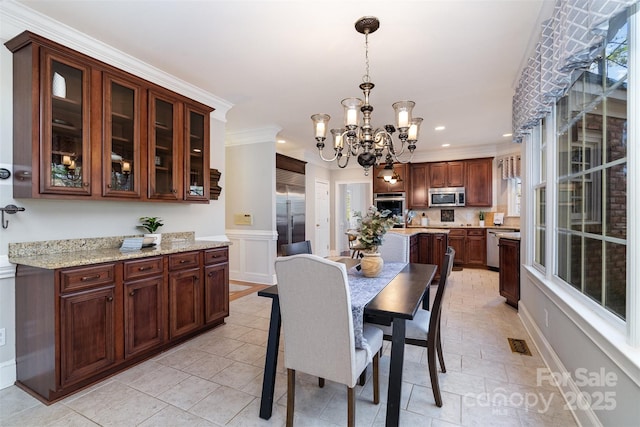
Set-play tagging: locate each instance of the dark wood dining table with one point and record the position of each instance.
(397, 302)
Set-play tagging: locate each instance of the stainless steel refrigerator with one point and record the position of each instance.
(290, 207)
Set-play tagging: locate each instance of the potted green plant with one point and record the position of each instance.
(373, 226)
(151, 224)
(481, 218)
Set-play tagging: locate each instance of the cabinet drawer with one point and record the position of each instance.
(184, 260)
(475, 232)
(142, 267)
(216, 256)
(457, 232)
(74, 279)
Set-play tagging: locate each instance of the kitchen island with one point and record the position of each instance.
(426, 245)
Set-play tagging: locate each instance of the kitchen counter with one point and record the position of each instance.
(55, 254)
(447, 226)
(410, 231)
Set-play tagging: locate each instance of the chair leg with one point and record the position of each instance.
(362, 379)
(320, 382)
(376, 377)
(351, 406)
(291, 392)
(433, 373)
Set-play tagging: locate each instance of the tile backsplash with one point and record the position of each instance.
(462, 216)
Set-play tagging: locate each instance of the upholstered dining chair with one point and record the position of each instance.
(424, 329)
(315, 304)
(296, 248)
(394, 248)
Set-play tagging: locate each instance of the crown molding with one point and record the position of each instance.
(16, 18)
(252, 136)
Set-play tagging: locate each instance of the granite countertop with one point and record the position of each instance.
(410, 231)
(510, 236)
(447, 226)
(55, 254)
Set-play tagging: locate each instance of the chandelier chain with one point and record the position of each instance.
(366, 77)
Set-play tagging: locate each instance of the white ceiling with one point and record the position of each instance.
(279, 62)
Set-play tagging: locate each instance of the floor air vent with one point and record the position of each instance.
(519, 346)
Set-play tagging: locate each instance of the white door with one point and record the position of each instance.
(321, 244)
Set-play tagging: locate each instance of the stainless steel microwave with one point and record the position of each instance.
(445, 197)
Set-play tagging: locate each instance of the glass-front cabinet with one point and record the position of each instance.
(87, 130)
(66, 166)
(164, 147)
(121, 156)
(196, 151)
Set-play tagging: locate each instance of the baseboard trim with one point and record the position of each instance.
(7, 373)
(583, 416)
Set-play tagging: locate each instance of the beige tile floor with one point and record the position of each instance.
(215, 379)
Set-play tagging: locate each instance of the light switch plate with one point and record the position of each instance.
(243, 219)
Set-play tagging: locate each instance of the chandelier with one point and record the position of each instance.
(358, 138)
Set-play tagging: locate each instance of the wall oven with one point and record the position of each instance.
(395, 202)
(445, 197)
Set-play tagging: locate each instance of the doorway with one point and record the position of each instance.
(351, 197)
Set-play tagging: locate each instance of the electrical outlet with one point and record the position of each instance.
(546, 318)
(3, 339)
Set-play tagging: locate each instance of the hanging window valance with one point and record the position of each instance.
(570, 40)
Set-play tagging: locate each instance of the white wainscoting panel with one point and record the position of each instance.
(251, 255)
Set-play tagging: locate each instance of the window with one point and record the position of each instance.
(514, 196)
(591, 182)
(539, 140)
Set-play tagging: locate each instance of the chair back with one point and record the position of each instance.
(296, 248)
(436, 307)
(315, 304)
(394, 248)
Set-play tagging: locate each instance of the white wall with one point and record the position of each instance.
(65, 219)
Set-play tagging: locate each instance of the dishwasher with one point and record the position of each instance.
(493, 252)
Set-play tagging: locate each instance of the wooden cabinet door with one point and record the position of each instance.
(216, 292)
(438, 175)
(65, 141)
(457, 240)
(414, 249)
(438, 249)
(455, 174)
(382, 186)
(185, 301)
(196, 154)
(476, 247)
(419, 185)
(509, 275)
(424, 248)
(165, 147)
(122, 114)
(87, 333)
(479, 182)
(144, 304)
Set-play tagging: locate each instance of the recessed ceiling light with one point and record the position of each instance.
(507, 134)
(281, 141)
(446, 145)
(439, 128)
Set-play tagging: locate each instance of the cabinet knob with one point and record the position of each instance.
(210, 274)
(108, 185)
(85, 184)
(144, 268)
(86, 278)
(173, 190)
(109, 298)
(132, 293)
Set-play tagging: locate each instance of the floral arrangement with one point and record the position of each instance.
(373, 226)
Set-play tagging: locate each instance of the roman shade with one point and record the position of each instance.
(570, 40)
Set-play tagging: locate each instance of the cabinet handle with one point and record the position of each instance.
(85, 278)
(132, 293)
(109, 298)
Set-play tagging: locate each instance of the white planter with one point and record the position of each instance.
(482, 223)
(157, 236)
